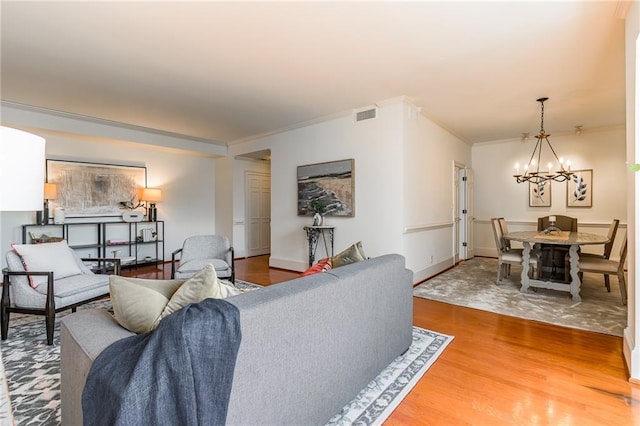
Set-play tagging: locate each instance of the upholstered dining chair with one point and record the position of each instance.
(200, 250)
(613, 229)
(608, 267)
(554, 255)
(509, 256)
(44, 279)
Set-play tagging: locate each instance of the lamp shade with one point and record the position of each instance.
(50, 191)
(152, 195)
(22, 158)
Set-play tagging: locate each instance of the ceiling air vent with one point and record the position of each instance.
(366, 114)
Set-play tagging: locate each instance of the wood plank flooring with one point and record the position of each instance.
(500, 370)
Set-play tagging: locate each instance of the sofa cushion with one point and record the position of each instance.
(202, 285)
(352, 254)
(54, 257)
(323, 265)
(140, 304)
(74, 284)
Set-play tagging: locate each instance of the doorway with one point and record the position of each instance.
(258, 213)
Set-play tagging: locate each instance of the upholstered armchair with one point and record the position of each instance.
(44, 279)
(200, 250)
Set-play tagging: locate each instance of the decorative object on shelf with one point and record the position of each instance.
(331, 183)
(579, 189)
(22, 157)
(58, 215)
(50, 193)
(151, 196)
(95, 189)
(319, 210)
(540, 194)
(532, 171)
(132, 216)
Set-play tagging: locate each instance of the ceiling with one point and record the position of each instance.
(226, 71)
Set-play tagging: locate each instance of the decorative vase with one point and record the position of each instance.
(317, 219)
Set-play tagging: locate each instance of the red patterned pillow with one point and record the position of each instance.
(322, 266)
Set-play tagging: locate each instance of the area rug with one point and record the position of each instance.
(472, 284)
(32, 371)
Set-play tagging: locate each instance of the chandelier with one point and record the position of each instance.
(532, 172)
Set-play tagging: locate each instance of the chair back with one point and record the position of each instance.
(205, 246)
(497, 234)
(504, 230)
(613, 229)
(564, 223)
(623, 253)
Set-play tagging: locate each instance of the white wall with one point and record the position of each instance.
(428, 216)
(498, 195)
(187, 183)
(403, 185)
(377, 147)
(631, 347)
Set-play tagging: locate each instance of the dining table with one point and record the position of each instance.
(531, 241)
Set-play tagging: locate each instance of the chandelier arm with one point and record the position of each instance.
(532, 155)
(554, 152)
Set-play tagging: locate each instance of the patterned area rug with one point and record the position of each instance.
(473, 284)
(32, 372)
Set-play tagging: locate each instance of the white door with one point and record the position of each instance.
(463, 222)
(258, 212)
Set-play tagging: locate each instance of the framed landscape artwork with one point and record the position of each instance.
(326, 188)
(580, 189)
(540, 194)
(94, 189)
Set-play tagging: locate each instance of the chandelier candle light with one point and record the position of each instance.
(532, 172)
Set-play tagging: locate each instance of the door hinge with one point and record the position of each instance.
(464, 244)
(464, 211)
(464, 178)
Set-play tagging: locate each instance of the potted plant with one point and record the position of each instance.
(318, 209)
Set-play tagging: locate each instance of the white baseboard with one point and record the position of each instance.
(289, 264)
(432, 270)
(486, 252)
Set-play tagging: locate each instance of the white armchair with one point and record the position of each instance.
(44, 279)
(200, 250)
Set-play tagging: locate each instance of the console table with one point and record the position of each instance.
(313, 237)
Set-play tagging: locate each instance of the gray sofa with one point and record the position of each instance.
(309, 345)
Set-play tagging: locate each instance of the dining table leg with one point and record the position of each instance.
(524, 276)
(574, 269)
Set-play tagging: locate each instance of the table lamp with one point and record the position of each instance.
(151, 196)
(50, 193)
(22, 158)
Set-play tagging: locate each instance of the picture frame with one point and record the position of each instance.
(580, 189)
(86, 189)
(326, 188)
(540, 194)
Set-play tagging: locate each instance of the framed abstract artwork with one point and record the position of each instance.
(580, 189)
(540, 194)
(326, 188)
(94, 189)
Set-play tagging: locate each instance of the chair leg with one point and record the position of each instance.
(4, 309)
(50, 318)
(623, 287)
(499, 278)
(607, 283)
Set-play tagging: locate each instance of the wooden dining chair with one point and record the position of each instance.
(613, 229)
(608, 267)
(509, 256)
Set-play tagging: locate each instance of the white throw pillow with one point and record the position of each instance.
(48, 257)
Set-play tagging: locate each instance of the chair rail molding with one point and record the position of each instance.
(426, 227)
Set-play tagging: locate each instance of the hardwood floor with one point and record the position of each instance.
(501, 370)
